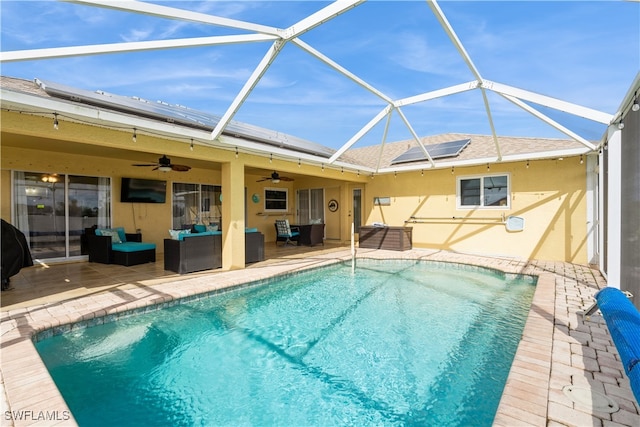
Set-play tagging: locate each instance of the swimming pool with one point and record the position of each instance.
(401, 342)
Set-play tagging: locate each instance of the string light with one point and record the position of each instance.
(191, 146)
(621, 124)
(395, 174)
(527, 164)
(134, 138)
(488, 168)
(452, 170)
(342, 170)
(323, 167)
(635, 106)
(421, 172)
(236, 152)
(581, 159)
(299, 163)
(270, 158)
(55, 121)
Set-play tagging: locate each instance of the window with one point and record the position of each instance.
(276, 200)
(195, 204)
(490, 191)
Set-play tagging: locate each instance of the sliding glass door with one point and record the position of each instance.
(310, 206)
(52, 210)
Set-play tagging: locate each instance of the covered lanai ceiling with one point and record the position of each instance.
(347, 74)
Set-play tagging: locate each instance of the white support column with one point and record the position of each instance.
(614, 204)
(593, 246)
(233, 228)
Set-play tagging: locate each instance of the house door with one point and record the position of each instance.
(52, 210)
(356, 209)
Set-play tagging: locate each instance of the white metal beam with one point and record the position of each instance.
(487, 108)
(547, 101)
(416, 137)
(325, 14)
(63, 52)
(251, 82)
(384, 140)
(366, 128)
(331, 63)
(439, 93)
(179, 14)
(549, 121)
(435, 8)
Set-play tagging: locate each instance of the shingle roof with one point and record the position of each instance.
(480, 147)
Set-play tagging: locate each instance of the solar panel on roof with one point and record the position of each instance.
(183, 116)
(436, 151)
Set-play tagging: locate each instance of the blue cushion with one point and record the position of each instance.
(132, 246)
(200, 228)
(250, 230)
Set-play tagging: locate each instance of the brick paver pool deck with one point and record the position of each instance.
(566, 371)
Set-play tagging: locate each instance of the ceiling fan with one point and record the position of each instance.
(275, 178)
(164, 165)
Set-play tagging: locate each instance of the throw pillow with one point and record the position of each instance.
(212, 227)
(115, 236)
(178, 234)
(199, 228)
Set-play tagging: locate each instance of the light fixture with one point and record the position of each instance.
(621, 124)
(50, 178)
(191, 146)
(635, 106)
(134, 138)
(164, 168)
(55, 121)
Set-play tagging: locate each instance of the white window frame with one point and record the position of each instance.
(482, 177)
(282, 190)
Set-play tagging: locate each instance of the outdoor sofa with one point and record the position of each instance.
(114, 246)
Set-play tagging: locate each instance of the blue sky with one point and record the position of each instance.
(585, 52)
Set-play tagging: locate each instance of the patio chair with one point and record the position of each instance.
(284, 232)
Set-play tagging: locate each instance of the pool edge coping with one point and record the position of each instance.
(19, 329)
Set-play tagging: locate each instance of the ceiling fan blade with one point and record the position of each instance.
(284, 178)
(264, 179)
(180, 168)
(145, 164)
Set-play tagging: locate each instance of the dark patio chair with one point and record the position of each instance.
(284, 232)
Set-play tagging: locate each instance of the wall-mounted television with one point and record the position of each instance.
(137, 190)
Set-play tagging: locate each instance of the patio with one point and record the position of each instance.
(558, 348)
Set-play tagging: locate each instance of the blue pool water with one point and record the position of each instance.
(398, 343)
